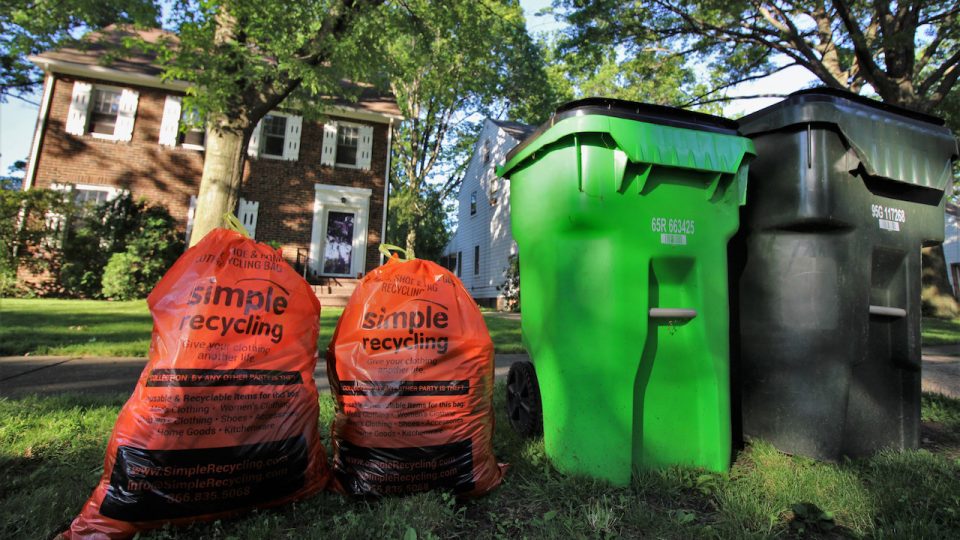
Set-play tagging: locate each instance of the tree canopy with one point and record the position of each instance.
(449, 65)
(31, 27)
(907, 52)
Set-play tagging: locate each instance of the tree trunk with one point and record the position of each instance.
(222, 174)
(411, 241)
(937, 296)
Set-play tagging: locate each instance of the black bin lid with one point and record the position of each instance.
(890, 142)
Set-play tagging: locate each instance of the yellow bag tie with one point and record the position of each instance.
(385, 249)
(231, 222)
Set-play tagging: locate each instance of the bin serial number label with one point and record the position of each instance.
(673, 231)
(888, 218)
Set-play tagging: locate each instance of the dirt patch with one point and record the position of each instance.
(939, 438)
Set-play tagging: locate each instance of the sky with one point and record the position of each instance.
(18, 118)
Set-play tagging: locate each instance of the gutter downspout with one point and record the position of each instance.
(386, 187)
(31, 172)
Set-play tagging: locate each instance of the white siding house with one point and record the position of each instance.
(480, 249)
(951, 243)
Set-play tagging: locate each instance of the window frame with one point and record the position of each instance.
(88, 129)
(336, 156)
(181, 135)
(263, 135)
(476, 260)
(473, 203)
(356, 153)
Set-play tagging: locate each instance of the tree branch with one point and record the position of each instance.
(872, 72)
(941, 74)
(737, 98)
(698, 99)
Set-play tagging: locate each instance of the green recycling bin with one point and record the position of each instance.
(843, 194)
(622, 213)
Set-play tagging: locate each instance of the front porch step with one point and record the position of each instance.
(329, 301)
(335, 292)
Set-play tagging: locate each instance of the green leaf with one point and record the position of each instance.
(411, 534)
(549, 515)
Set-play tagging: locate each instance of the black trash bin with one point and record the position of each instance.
(842, 195)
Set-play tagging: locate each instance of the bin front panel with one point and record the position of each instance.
(603, 239)
(829, 292)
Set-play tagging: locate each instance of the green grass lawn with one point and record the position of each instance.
(102, 328)
(940, 331)
(51, 455)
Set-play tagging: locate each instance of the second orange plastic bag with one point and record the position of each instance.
(411, 368)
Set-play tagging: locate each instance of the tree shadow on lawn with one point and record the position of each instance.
(40, 332)
(766, 493)
(51, 456)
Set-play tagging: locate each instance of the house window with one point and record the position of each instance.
(195, 135)
(346, 145)
(459, 260)
(86, 198)
(348, 141)
(274, 131)
(91, 196)
(104, 111)
(473, 203)
(486, 152)
(476, 260)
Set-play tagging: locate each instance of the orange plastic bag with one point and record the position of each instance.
(411, 368)
(224, 416)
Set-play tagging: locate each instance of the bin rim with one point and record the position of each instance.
(631, 110)
(823, 94)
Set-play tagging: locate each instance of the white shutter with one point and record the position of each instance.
(79, 105)
(247, 213)
(54, 221)
(328, 154)
(291, 139)
(253, 148)
(170, 124)
(125, 117)
(365, 147)
(190, 213)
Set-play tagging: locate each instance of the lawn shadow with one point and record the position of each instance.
(51, 457)
(39, 331)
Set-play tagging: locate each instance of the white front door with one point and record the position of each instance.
(339, 241)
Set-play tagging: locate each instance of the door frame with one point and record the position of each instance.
(343, 199)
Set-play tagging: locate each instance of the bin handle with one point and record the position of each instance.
(672, 313)
(885, 311)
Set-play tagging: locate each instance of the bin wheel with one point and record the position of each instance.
(523, 400)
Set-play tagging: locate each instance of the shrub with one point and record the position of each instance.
(149, 252)
(94, 233)
(120, 278)
(511, 284)
(23, 229)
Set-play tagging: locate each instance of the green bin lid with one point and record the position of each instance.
(660, 115)
(890, 142)
(631, 110)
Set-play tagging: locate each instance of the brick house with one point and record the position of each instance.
(318, 188)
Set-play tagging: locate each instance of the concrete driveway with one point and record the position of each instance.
(47, 375)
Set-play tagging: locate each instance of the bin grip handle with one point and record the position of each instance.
(672, 313)
(885, 311)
